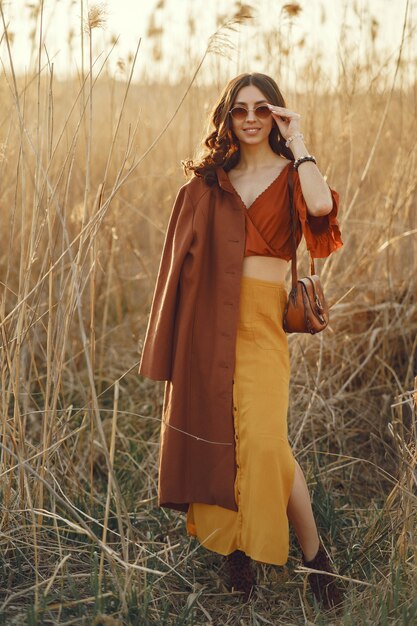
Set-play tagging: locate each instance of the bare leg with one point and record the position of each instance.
(300, 514)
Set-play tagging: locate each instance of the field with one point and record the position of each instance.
(89, 169)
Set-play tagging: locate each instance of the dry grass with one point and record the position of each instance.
(87, 182)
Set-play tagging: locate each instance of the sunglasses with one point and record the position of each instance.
(239, 113)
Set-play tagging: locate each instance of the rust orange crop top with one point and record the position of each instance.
(268, 220)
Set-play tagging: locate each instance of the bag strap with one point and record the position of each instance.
(293, 231)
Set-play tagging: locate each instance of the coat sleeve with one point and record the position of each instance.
(156, 357)
(321, 233)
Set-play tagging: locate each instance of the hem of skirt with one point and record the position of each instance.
(247, 554)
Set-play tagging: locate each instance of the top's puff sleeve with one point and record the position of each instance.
(322, 233)
(156, 357)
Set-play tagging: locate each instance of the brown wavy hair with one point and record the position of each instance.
(221, 147)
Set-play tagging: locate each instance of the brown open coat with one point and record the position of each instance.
(191, 336)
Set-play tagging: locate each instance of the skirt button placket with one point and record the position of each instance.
(238, 472)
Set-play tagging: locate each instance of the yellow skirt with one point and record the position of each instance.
(265, 462)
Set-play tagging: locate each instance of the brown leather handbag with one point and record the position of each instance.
(306, 310)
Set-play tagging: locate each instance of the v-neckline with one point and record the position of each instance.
(262, 192)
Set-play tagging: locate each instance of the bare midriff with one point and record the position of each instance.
(265, 268)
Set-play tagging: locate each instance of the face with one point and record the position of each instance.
(251, 129)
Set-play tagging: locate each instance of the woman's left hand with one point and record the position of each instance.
(287, 121)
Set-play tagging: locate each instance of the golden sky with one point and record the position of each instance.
(181, 29)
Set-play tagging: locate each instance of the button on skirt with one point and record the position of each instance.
(264, 459)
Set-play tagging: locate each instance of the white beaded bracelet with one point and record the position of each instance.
(289, 140)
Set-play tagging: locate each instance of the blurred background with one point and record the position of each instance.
(100, 102)
(173, 33)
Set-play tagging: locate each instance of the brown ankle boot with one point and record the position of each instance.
(325, 588)
(241, 574)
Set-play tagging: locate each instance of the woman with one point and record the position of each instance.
(215, 335)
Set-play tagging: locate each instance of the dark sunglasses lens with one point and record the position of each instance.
(239, 113)
(262, 112)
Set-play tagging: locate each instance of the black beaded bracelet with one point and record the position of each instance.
(308, 157)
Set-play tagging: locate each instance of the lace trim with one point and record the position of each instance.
(262, 192)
